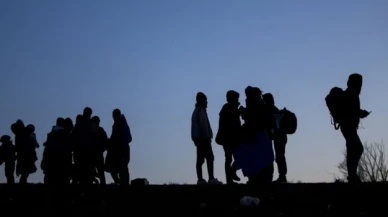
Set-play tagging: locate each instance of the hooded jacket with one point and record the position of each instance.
(200, 125)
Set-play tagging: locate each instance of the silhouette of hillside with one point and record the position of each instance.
(185, 200)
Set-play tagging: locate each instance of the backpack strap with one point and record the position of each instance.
(336, 125)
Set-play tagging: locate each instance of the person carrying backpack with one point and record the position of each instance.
(229, 133)
(345, 109)
(280, 140)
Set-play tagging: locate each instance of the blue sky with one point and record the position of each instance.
(149, 58)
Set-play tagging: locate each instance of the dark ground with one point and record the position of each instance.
(184, 200)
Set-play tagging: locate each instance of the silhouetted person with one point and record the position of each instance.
(57, 157)
(102, 144)
(118, 156)
(76, 148)
(229, 133)
(257, 118)
(349, 125)
(256, 115)
(202, 134)
(280, 140)
(25, 143)
(84, 134)
(8, 157)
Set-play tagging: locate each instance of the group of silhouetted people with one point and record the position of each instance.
(261, 115)
(72, 153)
(75, 153)
(258, 115)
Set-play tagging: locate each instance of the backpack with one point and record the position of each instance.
(289, 122)
(334, 102)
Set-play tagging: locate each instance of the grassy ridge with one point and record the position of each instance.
(184, 200)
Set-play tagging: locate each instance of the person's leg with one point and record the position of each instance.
(269, 173)
(209, 156)
(23, 178)
(228, 162)
(124, 171)
(354, 150)
(115, 177)
(9, 172)
(100, 169)
(280, 142)
(200, 159)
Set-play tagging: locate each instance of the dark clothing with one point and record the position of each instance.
(349, 125)
(230, 168)
(280, 142)
(229, 136)
(229, 125)
(57, 157)
(26, 155)
(85, 150)
(354, 149)
(8, 157)
(9, 169)
(118, 156)
(102, 145)
(204, 151)
(265, 176)
(352, 109)
(257, 117)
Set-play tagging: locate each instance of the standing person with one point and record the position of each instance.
(57, 158)
(8, 157)
(76, 145)
(118, 156)
(229, 133)
(280, 141)
(255, 133)
(102, 144)
(349, 125)
(86, 148)
(201, 134)
(25, 143)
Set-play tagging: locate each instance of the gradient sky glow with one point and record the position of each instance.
(149, 58)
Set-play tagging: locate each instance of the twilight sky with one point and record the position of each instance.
(150, 57)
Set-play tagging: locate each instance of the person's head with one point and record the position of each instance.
(116, 114)
(14, 128)
(201, 99)
(30, 128)
(79, 119)
(355, 83)
(5, 139)
(20, 123)
(87, 112)
(232, 97)
(60, 122)
(268, 99)
(96, 120)
(249, 91)
(258, 93)
(69, 124)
